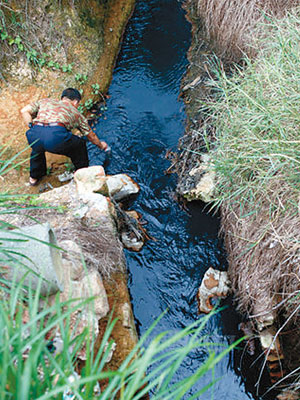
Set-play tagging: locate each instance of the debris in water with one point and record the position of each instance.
(214, 284)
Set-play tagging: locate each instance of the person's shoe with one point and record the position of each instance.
(65, 176)
(33, 181)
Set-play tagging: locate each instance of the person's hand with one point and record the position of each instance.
(104, 145)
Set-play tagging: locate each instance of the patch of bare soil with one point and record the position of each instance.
(50, 83)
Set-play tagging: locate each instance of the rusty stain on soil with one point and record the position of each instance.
(50, 84)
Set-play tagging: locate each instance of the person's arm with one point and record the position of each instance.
(86, 130)
(26, 114)
(94, 139)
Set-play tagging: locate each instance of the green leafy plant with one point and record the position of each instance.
(88, 104)
(96, 88)
(67, 68)
(9, 163)
(34, 57)
(29, 370)
(3, 35)
(81, 78)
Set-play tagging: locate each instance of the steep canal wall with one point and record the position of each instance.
(67, 44)
(260, 231)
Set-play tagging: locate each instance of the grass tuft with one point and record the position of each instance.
(257, 150)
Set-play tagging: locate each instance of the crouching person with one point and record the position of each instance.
(50, 122)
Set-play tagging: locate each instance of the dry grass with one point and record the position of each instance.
(99, 244)
(264, 258)
(256, 158)
(231, 25)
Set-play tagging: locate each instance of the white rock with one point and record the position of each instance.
(214, 284)
(72, 260)
(92, 285)
(127, 316)
(89, 179)
(97, 201)
(205, 181)
(113, 347)
(267, 339)
(80, 212)
(121, 186)
(131, 243)
(62, 195)
(263, 318)
(205, 187)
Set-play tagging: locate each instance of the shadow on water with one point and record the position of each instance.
(144, 120)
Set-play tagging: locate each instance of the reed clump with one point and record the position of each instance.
(231, 25)
(256, 156)
(256, 119)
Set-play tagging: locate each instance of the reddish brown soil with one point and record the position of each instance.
(14, 98)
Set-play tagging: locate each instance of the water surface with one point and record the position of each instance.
(143, 121)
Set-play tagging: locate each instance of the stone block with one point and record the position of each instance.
(89, 180)
(121, 186)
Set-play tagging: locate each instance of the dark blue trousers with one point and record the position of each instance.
(57, 140)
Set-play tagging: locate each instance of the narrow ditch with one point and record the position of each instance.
(144, 120)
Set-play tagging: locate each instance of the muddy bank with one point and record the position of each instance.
(265, 279)
(90, 44)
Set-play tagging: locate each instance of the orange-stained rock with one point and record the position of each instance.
(210, 282)
(214, 284)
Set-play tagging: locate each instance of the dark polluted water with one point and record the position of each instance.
(143, 121)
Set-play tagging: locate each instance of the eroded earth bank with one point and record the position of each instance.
(47, 46)
(222, 164)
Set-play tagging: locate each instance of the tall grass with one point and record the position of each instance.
(257, 119)
(29, 370)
